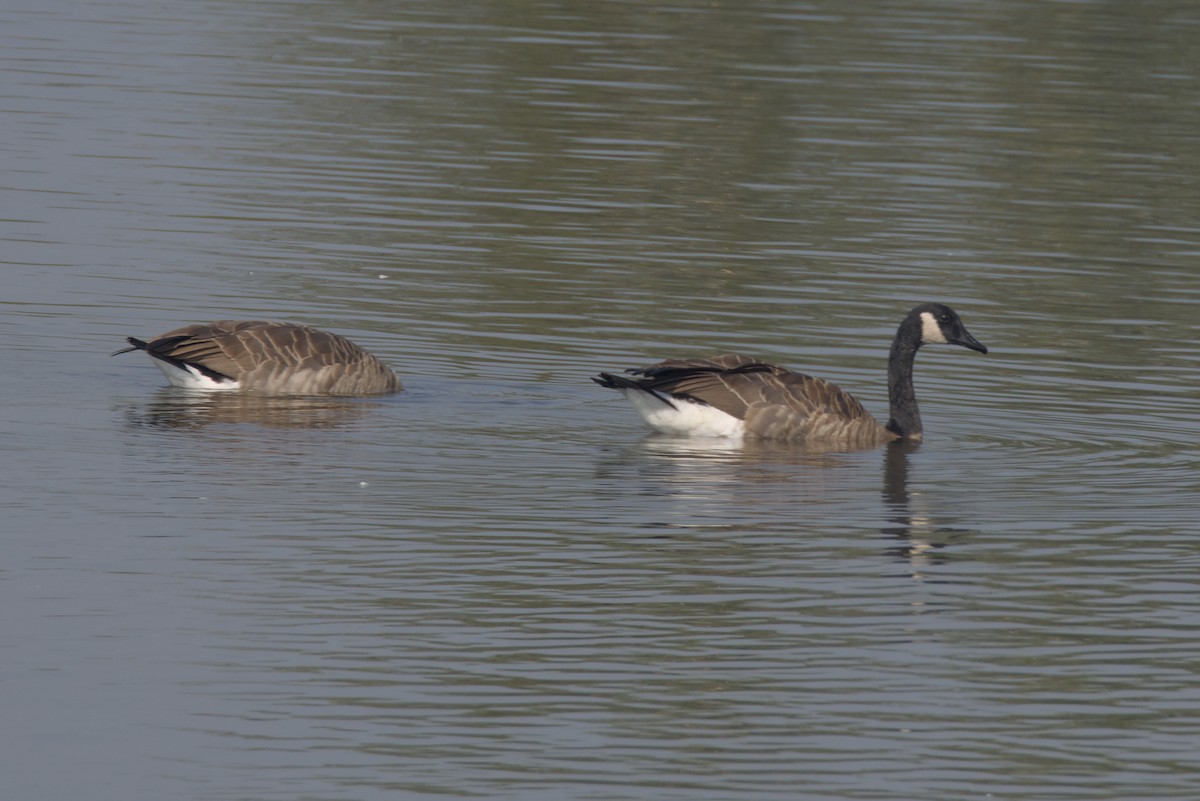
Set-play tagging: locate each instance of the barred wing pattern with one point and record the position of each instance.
(277, 358)
(774, 402)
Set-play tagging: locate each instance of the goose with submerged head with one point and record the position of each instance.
(267, 358)
(736, 396)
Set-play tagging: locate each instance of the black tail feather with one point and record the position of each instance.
(161, 349)
(134, 344)
(610, 381)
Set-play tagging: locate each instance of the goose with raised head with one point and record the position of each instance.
(267, 358)
(736, 396)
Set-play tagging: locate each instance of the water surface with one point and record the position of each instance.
(496, 584)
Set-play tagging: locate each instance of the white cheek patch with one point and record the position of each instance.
(931, 332)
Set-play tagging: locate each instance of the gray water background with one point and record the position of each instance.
(496, 585)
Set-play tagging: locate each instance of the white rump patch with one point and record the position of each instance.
(191, 378)
(685, 418)
(931, 332)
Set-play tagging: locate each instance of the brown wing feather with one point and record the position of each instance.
(775, 402)
(281, 357)
(204, 344)
(724, 361)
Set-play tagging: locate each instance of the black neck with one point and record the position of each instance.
(902, 401)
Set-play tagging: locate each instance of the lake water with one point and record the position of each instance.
(496, 584)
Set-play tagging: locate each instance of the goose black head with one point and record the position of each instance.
(940, 324)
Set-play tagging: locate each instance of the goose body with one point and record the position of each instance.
(737, 396)
(267, 358)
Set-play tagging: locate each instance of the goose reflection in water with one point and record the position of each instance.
(921, 538)
(742, 486)
(172, 408)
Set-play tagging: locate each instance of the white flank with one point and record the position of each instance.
(191, 378)
(685, 418)
(931, 332)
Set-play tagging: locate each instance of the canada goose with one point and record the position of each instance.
(736, 396)
(269, 358)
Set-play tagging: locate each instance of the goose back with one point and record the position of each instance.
(268, 357)
(772, 401)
